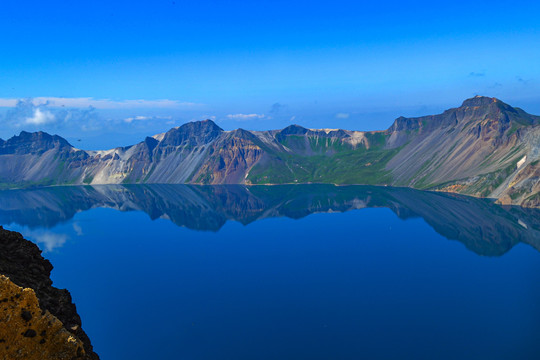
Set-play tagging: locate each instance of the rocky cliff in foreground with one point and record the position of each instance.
(37, 320)
(484, 148)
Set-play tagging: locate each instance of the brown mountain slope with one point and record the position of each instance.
(483, 148)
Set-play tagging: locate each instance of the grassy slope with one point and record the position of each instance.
(328, 162)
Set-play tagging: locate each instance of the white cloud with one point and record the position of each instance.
(242, 117)
(143, 118)
(26, 115)
(99, 103)
(342, 116)
(131, 119)
(40, 117)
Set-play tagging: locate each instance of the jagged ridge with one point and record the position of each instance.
(483, 148)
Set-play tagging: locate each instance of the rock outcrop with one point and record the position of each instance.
(27, 332)
(37, 320)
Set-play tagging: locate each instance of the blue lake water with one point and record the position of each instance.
(292, 272)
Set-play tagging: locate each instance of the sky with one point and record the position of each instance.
(108, 73)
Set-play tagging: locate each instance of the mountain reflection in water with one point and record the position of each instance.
(481, 225)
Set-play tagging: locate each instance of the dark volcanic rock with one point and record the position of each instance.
(193, 133)
(32, 143)
(22, 263)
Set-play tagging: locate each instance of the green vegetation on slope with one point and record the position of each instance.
(358, 166)
(314, 144)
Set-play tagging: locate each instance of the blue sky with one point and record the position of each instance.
(109, 73)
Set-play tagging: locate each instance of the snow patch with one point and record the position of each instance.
(522, 161)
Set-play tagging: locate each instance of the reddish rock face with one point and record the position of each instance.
(229, 159)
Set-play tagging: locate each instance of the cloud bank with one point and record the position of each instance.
(245, 116)
(83, 102)
(26, 113)
(131, 119)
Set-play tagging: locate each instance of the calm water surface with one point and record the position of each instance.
(298, 272)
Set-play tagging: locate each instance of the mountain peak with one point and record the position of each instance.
(294, 130)
(479, 100)
(196, 131)
(35, 142)
(39, 137)
(202, 125)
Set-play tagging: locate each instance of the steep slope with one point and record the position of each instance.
(172, 159)
(48, 319)
(484, 148)
(474, 149)
(230, 158)
(28, 332)
(38, 159)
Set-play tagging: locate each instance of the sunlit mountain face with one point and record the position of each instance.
(484, 148)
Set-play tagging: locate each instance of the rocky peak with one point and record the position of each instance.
(203, 126)
(197, 132)
(294, 130)
(32, 143)
(151, 143)
(40, 136)
(474, 109)
(243, 134)
(405, 124)
(145, 149)
(481, 107)
(480, 101)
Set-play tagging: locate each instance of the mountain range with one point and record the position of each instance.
(484, 148)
